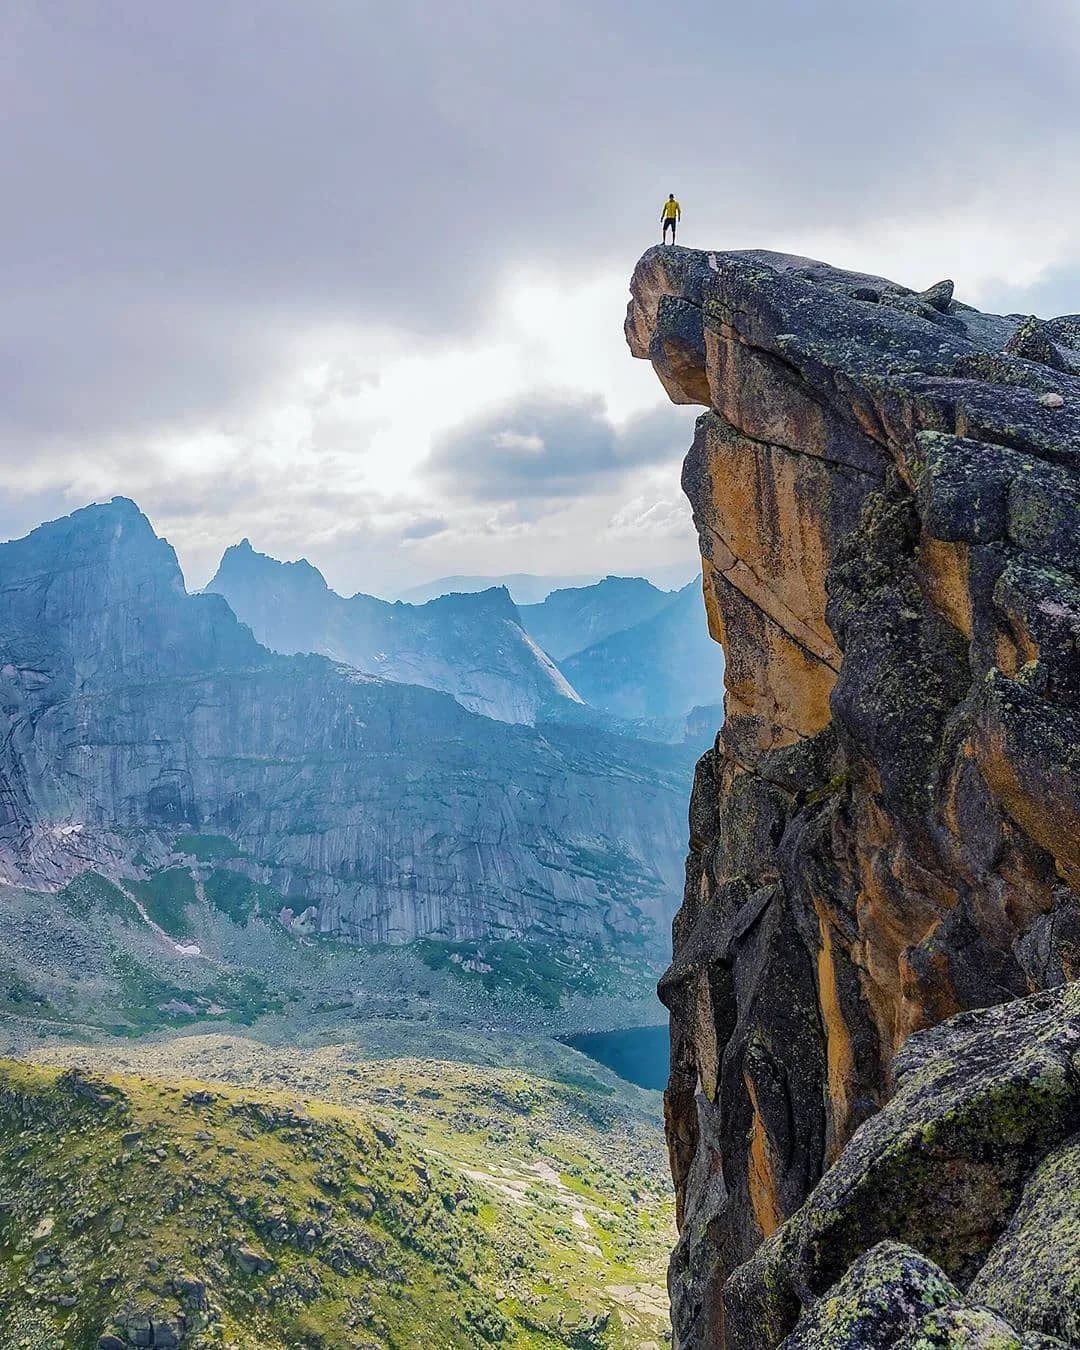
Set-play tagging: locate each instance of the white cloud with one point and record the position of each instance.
(260, 258)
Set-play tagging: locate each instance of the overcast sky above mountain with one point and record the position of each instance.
(349, 278)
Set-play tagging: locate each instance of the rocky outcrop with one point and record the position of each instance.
(975, 1152)
(885, 485)
(470, 646)
(136, 715)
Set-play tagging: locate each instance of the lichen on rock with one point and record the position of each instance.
(886, 488)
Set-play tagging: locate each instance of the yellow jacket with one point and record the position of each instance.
(672, 210)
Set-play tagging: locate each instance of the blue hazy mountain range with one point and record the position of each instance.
(641, 653)
(143, 724)
(662, 666)
(531, 588)
(472, 646)
(569, 620)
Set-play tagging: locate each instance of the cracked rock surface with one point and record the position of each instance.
(886, 488)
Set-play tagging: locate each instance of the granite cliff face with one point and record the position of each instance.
(138, 718)
(886, 486)
(471, 646)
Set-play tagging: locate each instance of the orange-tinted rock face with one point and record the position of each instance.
(886, 832)
(758, 508)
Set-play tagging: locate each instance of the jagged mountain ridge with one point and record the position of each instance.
(663, 666)
(472, 646)
(574, 618)
(135, 713)
(885, 485)
(532, 588)
(526, 588)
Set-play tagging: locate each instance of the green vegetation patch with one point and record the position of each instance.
(90, 894)
(166, 897)
(542, 972)
(539, 973)
(240, 898)
(16, 995)
(245, 1218)
(147, 1002)
(207, 847)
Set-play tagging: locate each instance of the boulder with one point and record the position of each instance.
(250, 1261)
(887, 1292)
(965, 1150)
(1032, 1273)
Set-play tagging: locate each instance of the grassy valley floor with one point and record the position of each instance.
(284, 1143)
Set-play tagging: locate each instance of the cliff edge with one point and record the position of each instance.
(886, 486)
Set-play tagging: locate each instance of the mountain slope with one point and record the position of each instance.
(135, 714)
(661, 667)
(470, 646)
(569, 620)
(147, 1207)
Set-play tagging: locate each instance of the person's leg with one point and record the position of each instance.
(673, 224)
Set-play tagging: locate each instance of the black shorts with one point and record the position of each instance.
(669, 220)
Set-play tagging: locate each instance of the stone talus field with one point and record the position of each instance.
(886, 487)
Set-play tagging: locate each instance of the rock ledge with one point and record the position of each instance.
(886, 487)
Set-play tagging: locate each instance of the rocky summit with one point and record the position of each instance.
(885, 839)
(146, 728)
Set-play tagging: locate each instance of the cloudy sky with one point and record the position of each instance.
(348, 278)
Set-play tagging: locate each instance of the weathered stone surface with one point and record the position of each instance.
(982, 1100)
(885, 1293)
(966, 1328)
(252, 1262)
(134, 714)
(1032, 1273)
(885, 486)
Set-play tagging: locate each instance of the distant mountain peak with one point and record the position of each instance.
(471, 645)
(243, 562)
(113, 534)
(576, 617)
(496, 600)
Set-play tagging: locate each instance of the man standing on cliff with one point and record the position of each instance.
(670, 216)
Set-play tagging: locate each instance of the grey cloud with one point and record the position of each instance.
(551, 446)
(1056, 293)
(425, 528)
(186, 183)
